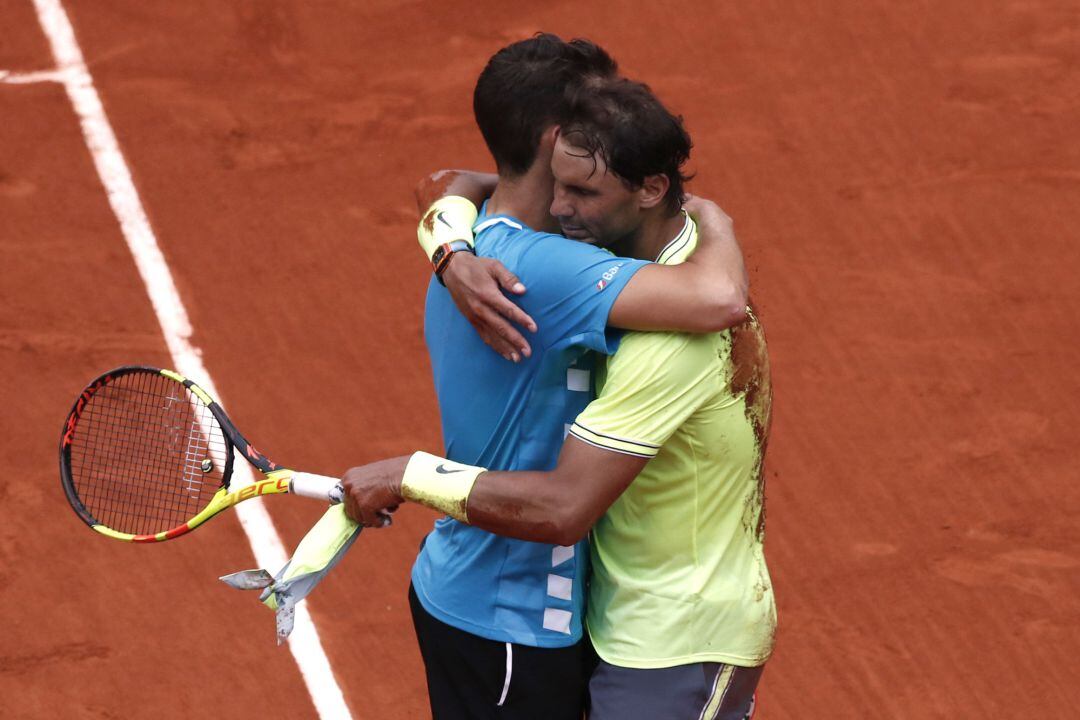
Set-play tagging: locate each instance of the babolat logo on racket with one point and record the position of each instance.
(607, 277)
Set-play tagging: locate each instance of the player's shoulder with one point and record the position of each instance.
(507, 238)
(542, 256)
(676, 356)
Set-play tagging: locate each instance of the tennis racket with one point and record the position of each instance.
(147, 455)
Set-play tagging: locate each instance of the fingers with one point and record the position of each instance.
(359, 508)
(502, 308)
(373, 519)
(493, 298)
(512, 337)
(355, 512)
(494, 329)
(514, 314)
(506, 279)
(701, 208)
(503, 337)
(476, 287)
(500, 317)
(487, 332)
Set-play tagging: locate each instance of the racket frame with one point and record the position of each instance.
(277, 480)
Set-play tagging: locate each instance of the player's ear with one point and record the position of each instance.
(652, 191)
(547, 140)
(546, 147)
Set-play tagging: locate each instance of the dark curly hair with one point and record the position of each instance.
(624, 123)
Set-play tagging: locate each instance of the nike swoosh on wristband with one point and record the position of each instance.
(441, 219)
(443, 470)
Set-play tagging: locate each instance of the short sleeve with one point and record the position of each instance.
(654, 383)
(571, 289)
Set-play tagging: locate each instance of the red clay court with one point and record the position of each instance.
(905, 181)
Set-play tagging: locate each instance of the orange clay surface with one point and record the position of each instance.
(905, 180)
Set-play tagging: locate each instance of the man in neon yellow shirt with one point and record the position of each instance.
(665, 465)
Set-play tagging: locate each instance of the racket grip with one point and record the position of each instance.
(320, 487)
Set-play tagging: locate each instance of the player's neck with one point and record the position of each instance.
(655, 233)
(526, 197)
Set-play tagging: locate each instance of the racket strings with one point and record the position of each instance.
(147, 454)
(123, 485)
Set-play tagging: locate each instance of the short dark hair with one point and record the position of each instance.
(624, 123)
(524, 89)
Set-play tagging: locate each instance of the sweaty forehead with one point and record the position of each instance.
(572, 164)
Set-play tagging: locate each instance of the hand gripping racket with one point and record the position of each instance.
(147, 455)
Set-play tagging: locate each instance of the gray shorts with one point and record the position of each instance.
(703, 691)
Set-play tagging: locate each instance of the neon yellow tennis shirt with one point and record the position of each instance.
(678, 568)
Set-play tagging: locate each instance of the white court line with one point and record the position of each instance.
(187, 358)
(15, 78)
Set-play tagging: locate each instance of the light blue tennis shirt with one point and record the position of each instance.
(506, 416)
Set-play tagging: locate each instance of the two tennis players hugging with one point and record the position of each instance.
(601, 551)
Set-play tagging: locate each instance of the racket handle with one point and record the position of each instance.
(320, 487)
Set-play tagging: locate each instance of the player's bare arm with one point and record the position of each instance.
(707, 293)
(557, 506)
(470, 184)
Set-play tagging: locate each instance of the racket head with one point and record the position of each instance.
(142, 452)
